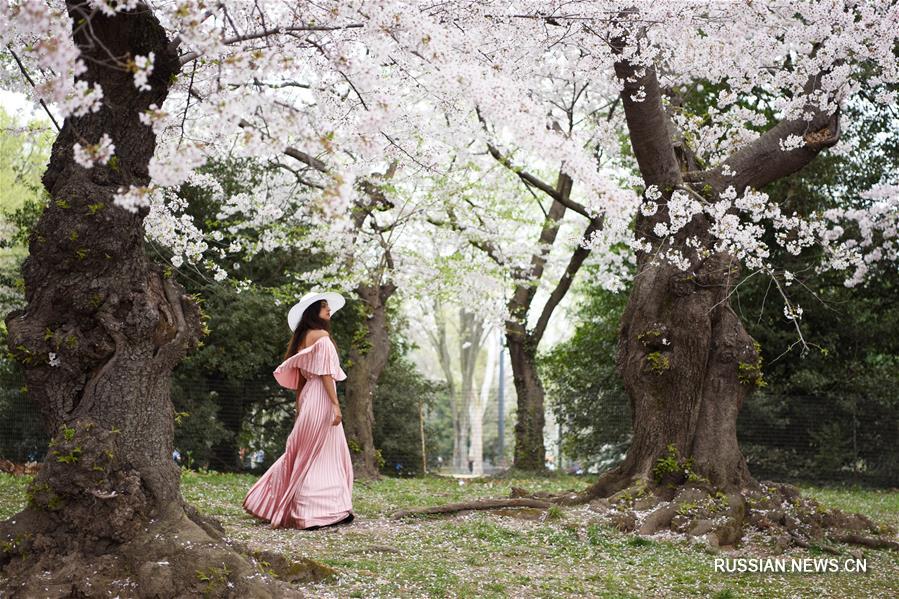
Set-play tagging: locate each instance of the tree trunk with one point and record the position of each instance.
(366, 363)
(476, 412)
(470, 330)
(106, 505)
(461, 432)
(530, 452)
(687, 364)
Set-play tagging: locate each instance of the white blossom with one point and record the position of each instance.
(91, 154)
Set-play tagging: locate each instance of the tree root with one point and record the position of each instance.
(774, 515)
(9, 467)
(872, 542)
(171, 557)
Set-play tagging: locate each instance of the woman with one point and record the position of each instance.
(311, 485)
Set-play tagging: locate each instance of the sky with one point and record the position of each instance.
(18, 104)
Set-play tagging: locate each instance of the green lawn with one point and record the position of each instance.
(489, 555)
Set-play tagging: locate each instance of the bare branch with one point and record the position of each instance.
(31, 81)
(307, 159)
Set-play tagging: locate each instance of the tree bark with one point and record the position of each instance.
(107, 499)
(530, 451)
(367, 359)
(681, 349)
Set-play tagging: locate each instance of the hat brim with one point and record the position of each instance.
(335, 302)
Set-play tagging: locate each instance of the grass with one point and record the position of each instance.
(489, 555)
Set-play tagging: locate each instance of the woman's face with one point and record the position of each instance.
(325, 311)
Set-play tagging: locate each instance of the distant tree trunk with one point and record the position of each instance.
(530, 450)
(461, 433)
(106, 503)
(367, 359)
(476, 411)
(460, 419)
(470, 331)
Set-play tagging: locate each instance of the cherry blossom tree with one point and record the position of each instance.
(104, 326)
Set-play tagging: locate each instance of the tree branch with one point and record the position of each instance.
(647, 122)
(488, 248)
(577, 260)
(520, 302)
(525, 176)
(267, 32)
(28, 78)
(762, 161)
(307, 159)
(533, 181)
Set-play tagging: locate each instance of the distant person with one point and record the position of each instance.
(311, 485)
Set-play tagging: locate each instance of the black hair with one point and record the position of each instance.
(308, 322)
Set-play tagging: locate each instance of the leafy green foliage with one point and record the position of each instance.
(582, 386)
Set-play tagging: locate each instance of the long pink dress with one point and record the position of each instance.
(312, 483)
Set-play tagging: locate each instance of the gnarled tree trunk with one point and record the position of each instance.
(367, 361)
(681, 349)
(685, 358)
(101, 333)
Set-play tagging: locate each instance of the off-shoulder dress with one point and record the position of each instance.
(312, 483)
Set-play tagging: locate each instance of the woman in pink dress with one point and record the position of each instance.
(311, 485)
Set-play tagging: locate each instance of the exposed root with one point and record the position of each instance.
(872, 542)
(29, 469)
(768, 514)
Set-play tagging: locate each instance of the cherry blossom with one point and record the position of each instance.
(335, 92)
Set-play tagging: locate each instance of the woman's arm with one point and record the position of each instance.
(331, 389)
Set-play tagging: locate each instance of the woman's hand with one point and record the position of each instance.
(338, 417)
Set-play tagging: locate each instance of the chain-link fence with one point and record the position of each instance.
(243, 426)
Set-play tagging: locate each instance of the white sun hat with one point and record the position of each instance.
(335, 302)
